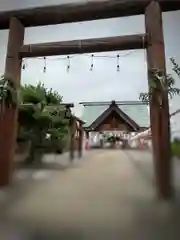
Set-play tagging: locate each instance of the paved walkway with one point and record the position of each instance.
(106, 195)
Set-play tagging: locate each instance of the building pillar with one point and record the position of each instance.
(80, 140)
(87, 134)
(72, 137)
(8, 119)
(159, 116)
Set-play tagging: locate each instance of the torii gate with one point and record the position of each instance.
(152, 40)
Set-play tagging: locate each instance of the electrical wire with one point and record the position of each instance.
(69, 57)
(86, 55)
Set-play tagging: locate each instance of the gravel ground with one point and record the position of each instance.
(107, 194)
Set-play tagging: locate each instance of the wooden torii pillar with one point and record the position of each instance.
(8, 120)
(159, 116)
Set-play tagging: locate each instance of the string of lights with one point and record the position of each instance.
(69, 57)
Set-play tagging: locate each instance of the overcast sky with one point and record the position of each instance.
(104, 83)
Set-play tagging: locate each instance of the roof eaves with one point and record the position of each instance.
(105, 114)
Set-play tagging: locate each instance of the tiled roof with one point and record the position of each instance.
(137, 111)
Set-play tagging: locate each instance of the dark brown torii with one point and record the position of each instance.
(77, 12)
(152, 40)
(137, 41)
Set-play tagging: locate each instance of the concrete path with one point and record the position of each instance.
(107, 195)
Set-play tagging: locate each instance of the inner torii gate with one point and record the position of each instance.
(152, 40)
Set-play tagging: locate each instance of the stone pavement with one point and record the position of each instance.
(108, 194)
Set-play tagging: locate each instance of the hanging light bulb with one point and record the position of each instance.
(68, 63)
(23, 65)
(92, 63)
(118, 67)
(44, 69)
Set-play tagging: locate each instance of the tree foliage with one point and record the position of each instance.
(40, 115)
(40, 112)
(160, 83)
(9, 93)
